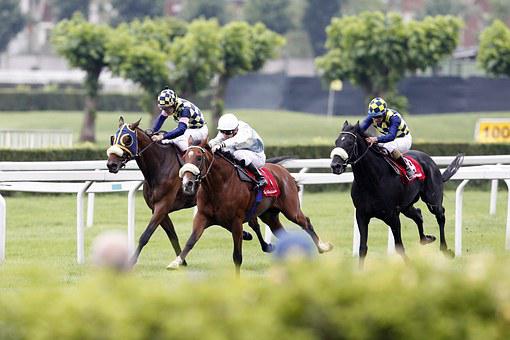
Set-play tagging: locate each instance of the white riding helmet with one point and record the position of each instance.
(228, 122)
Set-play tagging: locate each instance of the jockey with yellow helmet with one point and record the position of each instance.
(394, 133)
(243, 142)
(189, 118)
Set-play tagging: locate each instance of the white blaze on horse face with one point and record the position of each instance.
(340, 152)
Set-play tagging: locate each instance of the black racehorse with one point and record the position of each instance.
(378, 191)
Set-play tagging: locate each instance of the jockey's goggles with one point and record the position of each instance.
(227, 132)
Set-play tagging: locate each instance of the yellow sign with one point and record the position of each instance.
(336, 85)
(493, 131)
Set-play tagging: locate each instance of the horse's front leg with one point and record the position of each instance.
(158, 214)
(169, 229)
(393, 222)
(200, 222)
(362, 220)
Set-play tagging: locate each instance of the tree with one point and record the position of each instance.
(83, 45)
(65, 8)
(318, 14)
(11, 22)
(139, 51)
(272, 13)
(500, 9)
(245, 48)
(207, 9)
(494, 50)
(374, 50)
(128, 10)
(444, 7)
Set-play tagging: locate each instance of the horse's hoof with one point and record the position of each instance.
(175, 264)
(448, 253)
(324, 247)
(428, 239)
(269, 248)
(247, 236)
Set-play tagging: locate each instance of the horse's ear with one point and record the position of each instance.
(121, 121)
(135, 124)
(190, 140)
(345, 124)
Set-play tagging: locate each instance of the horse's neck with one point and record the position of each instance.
(220, 173)
(156, 162)
(368, 169)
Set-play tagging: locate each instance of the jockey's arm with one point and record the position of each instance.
(242, 136)
(392, 134)
(159, 121)
(181, 127)
(216, 140)
(365, 124)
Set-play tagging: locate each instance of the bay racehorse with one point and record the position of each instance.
(160, 166)
(378, 191)
(224, 200)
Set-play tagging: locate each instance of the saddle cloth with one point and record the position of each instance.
(271, 189)
(400, 170)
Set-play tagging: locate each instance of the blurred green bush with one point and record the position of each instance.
(311, 300)
(297, 151)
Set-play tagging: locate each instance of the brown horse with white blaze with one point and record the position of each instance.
(224, 200)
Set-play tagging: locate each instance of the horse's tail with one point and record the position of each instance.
(278, 160)
(453, 167)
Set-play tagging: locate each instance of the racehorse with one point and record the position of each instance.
(224, 200)
(160, 166)
(378, 191)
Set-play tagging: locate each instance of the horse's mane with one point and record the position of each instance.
(378, 150)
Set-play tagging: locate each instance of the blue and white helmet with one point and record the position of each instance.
(167, 98)
(377, 107)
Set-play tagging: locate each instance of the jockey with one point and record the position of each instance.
(395, 135)
(190, 120)
(243, 142)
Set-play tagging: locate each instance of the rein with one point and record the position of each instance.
(200, 176)
(355, 153)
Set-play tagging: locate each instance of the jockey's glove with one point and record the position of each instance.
(217, 146)
(150, 132)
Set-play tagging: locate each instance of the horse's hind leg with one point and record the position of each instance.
(272, 219)
(169, 229)
(300, 219)
(438, 211)
(254, 224)
(394, 223)
(415, 215)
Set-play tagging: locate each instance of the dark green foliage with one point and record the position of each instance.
(318, 14)
(64, 9)
(296, 151)
(11, 21)
(128, 10)
(70, 100)
(494, 52)
(272, 13)
(207, 9)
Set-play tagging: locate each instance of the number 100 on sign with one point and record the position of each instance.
(493, 131)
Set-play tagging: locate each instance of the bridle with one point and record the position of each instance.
(354, 150)
(128, 152)
(190, 167)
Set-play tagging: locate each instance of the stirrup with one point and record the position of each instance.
(261, 183)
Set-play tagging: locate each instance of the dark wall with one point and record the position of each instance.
(425, 94)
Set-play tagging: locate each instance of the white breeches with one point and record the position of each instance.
(403, 144)
(257, 158)
(199, 134)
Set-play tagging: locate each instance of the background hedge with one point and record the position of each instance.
(297, 151)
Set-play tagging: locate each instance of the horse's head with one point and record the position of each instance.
(346, 148)
(196, 167)
(124, 146)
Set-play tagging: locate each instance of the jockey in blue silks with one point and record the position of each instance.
(394, 134)
(189, 118)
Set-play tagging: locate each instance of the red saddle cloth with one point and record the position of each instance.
(271, 189)
(413, 163)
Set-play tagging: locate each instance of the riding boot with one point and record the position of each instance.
(261, 181)
(409, 170)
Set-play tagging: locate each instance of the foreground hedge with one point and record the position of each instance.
(313, 300)
(297, 151)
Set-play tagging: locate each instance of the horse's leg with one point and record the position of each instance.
(237, 237)
(393, 222)
(271, 217)
(254, 224)
(169, 229)
(415, 215)
(200, 222)
(362, 221)
(438, 211)
(304, 222)
(158, 213)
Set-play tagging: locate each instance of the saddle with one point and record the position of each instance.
(270, 190)
(400, 170)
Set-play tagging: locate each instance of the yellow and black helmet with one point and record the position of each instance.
(377, 107)
(167, 98)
